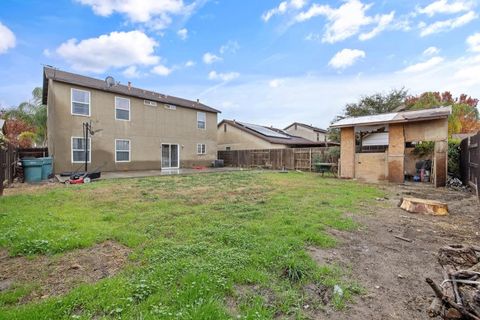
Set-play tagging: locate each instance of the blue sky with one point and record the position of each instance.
(268, 62)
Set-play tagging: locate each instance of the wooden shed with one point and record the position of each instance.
(394, 161)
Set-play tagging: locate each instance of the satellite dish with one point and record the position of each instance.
(110, 81)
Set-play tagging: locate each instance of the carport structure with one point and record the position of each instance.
(380, 147)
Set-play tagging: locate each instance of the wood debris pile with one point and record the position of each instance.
(458, 296)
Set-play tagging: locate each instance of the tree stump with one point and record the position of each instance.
(417, 205)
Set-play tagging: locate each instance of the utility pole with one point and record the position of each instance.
(87, 130)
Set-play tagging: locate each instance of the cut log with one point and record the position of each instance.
(417, 205)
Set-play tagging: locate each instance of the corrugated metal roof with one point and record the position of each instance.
(72, 78)
(396, 117)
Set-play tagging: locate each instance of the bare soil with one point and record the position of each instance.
(56, 275)
(393, 271)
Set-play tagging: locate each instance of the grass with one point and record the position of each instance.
(197, 241)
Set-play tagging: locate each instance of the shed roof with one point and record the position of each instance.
(272, 135)
(307, 126)
(76, 79)
(395, 117)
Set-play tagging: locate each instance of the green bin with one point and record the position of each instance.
(46, 167)
(32, 169)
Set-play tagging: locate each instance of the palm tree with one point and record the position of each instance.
(34, 113)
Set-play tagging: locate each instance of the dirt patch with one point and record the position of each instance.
(51, 276)
(393, 271)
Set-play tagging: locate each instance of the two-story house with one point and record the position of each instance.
(134, 129)
(308, 132)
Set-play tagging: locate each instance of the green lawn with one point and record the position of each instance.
(198, 241)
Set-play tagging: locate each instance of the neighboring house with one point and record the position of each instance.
(135, 129)
(308, 132)
(234, 135)
(396, 133)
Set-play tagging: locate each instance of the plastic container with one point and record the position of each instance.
(46, 167)
(32, 169)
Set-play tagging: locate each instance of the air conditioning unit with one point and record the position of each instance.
(149, 103)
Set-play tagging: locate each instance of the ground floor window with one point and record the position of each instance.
(122, 150)
(78, 150)
(201, 148)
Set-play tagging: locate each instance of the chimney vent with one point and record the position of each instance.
(129, 85)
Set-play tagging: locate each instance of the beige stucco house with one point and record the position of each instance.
(307, 131)
(134, 129)
(235, 135)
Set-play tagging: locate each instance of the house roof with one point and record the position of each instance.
(270, 134)
(317, 129)
(395, 117)
(83, 81)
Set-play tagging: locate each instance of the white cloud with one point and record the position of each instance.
(473, 42)
(423, 66)
(7, 39)
(282, 8)
(47, 53)
(131, 72)
(447, 25)
(209, 58)
(183, 33)
(189, 63)
(445, 6)
(213, 75)
(346, 58)
(229, 47)
(383, 22)
(346, 20)
(431, 51)
(114, 50)
(162, 70)
(275, 83)
(157, 14)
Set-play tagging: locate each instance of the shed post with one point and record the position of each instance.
(396, 153)
(440, 163)
(347, 152)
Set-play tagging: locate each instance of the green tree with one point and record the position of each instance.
(33, 113)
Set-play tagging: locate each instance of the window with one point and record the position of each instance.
(80, 102)
(122, 109)
(122, 150)
(201, 120)
(318, 136)
(170, 107)
(78, 150)
(149, 103)
(201, 148)
(228, 148)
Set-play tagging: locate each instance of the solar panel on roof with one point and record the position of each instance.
(265, 131)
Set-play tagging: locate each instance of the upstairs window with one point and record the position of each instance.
(78, 150)
(122, 150)
(201, 148)
(80, 102)
(122, 109)
(201, 120)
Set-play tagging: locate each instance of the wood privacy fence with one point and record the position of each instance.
(470, 161)
(277, 159)
(8, 166)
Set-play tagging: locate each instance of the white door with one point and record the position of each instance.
(170, 156)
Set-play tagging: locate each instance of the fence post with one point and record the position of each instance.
(2, 169)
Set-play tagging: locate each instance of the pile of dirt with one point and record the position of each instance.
(393, 271)
(56, 275)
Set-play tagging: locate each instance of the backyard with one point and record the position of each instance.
(250, 245)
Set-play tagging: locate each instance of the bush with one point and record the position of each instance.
(454, 157)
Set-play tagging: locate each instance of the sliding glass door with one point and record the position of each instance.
(170, 156)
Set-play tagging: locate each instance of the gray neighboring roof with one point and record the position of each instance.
(396, 117)
(288, 140)
(317, 129)
(76, 79)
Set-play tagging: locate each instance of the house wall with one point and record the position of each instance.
(238, 139)
(147, 129)
(301, 131)
(347, 152)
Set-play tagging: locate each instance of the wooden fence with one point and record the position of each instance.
(277, 159)
(470, 161)
(8, 166)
